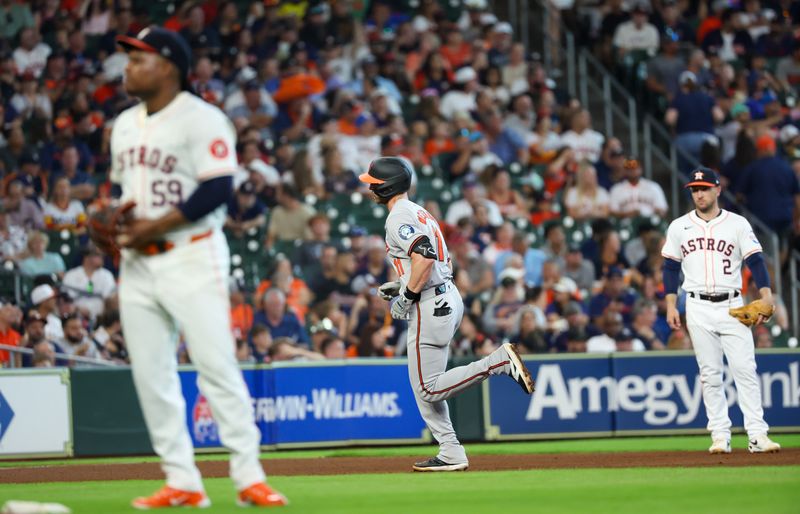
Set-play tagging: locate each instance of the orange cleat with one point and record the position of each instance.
(260, 495)
(169, 497)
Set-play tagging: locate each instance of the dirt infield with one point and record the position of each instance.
(350, 465)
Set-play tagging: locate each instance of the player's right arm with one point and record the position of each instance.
(670, 273)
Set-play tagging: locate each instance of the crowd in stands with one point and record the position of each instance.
(554, 234)
(724, 75)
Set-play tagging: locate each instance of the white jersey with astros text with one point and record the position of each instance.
(711, 252)
(406, 223)
(159, 160)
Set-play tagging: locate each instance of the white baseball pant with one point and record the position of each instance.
(715, 333)
(185, 289)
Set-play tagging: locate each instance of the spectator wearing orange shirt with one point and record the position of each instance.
(241, 315)
(456, 51)
(440, 141)
(10, 315)
(298, 296)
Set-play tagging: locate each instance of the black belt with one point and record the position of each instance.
(714, 297)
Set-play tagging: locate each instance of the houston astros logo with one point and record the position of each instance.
(698, 175)
(218, 149)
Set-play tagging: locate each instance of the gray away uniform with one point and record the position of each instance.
(432, 324)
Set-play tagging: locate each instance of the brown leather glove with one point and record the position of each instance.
(105, 225)
(748, 314)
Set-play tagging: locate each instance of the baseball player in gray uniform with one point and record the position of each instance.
(709, 245)
(426, 296)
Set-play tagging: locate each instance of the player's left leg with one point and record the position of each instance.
(434, 331)
(737, 343)
(194, 290)
(451, 456)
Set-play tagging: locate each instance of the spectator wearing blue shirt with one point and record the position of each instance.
(503, 142)
(257, 109)
(532, 258)
(280, 321)
(245, 210)
(82, 187)
(731, 41)
(614, 291)
(64, 137)
(771, 189)
(693, 114)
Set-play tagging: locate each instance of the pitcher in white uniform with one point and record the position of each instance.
(709, 245)
(173, 154)
(426, 296)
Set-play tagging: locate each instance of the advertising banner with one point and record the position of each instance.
(630, 393)
(319, 404)
(35, 416)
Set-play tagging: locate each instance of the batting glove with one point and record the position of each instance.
(389, 290)
(401, 305)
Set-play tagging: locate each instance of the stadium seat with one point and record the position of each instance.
(63, 242)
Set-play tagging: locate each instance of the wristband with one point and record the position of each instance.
(411, 295)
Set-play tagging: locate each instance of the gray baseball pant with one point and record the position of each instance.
(432, 325)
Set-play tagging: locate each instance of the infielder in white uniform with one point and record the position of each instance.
(709, 245)
(173, 155)
(426, 296)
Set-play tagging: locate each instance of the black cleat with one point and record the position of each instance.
(436, 464)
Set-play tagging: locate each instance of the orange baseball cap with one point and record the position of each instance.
(765, 143)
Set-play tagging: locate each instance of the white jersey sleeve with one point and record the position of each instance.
(672, 244)
(748, 242)
(120, 127)
(212, 147)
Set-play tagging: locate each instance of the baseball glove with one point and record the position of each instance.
(748, 314)
(105, 225)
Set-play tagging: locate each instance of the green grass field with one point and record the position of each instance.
(750, 490)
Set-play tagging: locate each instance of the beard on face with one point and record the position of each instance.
(74, 339)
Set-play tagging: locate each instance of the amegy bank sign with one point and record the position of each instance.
(632, 393)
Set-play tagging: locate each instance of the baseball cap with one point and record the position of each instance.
(639, 8)
(503, 28)
(738, 109)
(565, 285)
(34, 315)
(42, 293)
(511, 273)
(686, 77)
(488, 18)
(624, 335)
(631, 163)
(169, 45)
(476, 5)
(614, 272)
(703, 176)
(29, 157)
(788, 133)
(572, 307)
(357, 231)
(765, 143)
(392, 140)
(465, 74)
(577, 334)
(247, 188)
